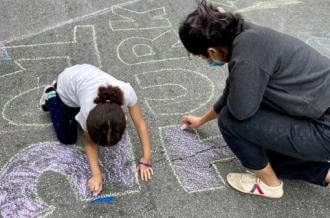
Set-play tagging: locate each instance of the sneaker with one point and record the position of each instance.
(44, 96)
(250, 184)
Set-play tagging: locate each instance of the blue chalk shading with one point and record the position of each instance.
(3, 53)
(104, 199)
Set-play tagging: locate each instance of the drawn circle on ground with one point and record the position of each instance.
(23, 108)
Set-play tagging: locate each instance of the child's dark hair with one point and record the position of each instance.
(208, 27)
(106, 122)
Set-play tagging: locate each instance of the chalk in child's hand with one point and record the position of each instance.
(184, 126)
(95, 194)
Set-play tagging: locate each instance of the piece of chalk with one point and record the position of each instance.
(183, 126)
(103, 199)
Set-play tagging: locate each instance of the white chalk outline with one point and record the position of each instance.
(22, 69)
(151, 51)
(260, 5)
(78, 197)
(175, 45)
(130, 20)
(74, 41)
(4, 108)
(163, 145)
(212, 86)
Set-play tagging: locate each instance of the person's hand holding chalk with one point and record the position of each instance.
(95, 184)
(190, 121)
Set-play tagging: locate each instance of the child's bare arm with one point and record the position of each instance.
(95, 183)
(142, 130)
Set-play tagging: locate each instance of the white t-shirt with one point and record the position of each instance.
(77, 86)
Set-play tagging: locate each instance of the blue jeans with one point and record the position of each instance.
(297, 148)
(63, 119)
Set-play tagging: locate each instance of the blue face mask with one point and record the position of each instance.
(216, 63)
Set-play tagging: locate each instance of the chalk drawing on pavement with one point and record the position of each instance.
(176, 90)
(235, 5)
(19, 177)
(3, 53)
(22, 116)
(134, 20)
(193, 160)
(60, 48)
(164, 47)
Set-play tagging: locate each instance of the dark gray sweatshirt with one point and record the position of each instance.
(278, 70)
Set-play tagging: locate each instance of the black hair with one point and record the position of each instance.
(208, 27)
(106, 122)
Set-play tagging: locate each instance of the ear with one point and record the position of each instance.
(213, 53)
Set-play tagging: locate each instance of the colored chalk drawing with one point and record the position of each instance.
(3, 53)
(164, 47)
(19, 177)
(176, 93)
(241, 6)
(193, 160)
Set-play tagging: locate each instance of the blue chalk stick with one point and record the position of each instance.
(104, 199)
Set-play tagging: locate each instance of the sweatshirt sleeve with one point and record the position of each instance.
(248, 83)
(221, 102)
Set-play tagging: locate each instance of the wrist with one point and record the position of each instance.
(97, 174)
(146, 159)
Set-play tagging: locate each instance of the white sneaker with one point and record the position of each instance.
(250, 184)
(44, 96)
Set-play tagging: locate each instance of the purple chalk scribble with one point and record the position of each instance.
(19, 178)
(192, 158)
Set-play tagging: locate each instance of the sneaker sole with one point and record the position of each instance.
(265, 196)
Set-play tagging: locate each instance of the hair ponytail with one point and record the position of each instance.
(106, 122)
(109, 93)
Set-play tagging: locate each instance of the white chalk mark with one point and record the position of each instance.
(161, 45)
(136, 47)
(61, 24)
(20, 124)
(261, 5)
(22, 69)
(38, 82)
(163, 145)
(268, 5)
(164, 100)
(74, 41)
(132, 19)
(227, 3)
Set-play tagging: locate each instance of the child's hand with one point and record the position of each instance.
(95, 184)
(145, 169)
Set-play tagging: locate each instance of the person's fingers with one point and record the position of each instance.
(142, 174)
(148, 174)
(151, 171)
(185, 119)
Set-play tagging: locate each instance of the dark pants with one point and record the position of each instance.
(296, 148)
(63, 119)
